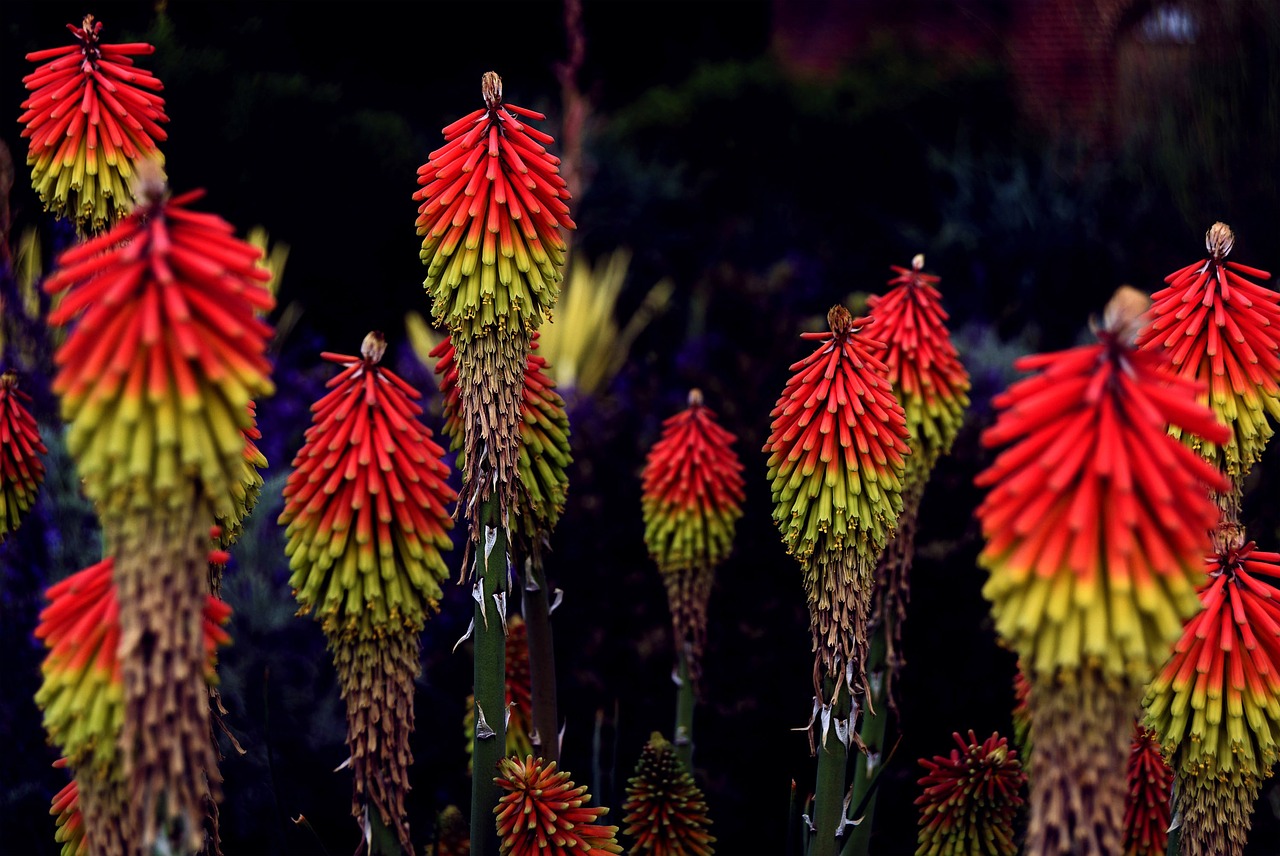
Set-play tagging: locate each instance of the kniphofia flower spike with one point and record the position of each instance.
(21, 470)
(91, 118)
(1146, 812)
(971, 799)
(666, 812)
(542, 811)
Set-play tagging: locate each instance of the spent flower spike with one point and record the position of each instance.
(542, 811)
(1215, 704)
(1222, 330)
(931, 383)
(692, 494)
(666, 812)
(21, 470)
(971, 799)
(837, 457)
(91, 119)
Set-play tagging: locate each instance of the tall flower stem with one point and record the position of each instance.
(542, 661)
(866, 765)
(490, 743)
(833, 766)
(685, 700)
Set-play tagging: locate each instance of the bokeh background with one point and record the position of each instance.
(743, 166)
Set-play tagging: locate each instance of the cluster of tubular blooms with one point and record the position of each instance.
(91, 118)
(666, 814)
(1222, 330)
(1215, 704)
(692, 493)
(165, 352)
(492, 204)
(519, 704)
(82, 697)
(971, 799)
(366, 520)
(542, 811)
(68, 818)
(1146, 813)
(837, 456)
(544, 441)
(1095, 524)
(21, 470)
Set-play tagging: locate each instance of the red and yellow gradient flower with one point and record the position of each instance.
(492, 206)
(971, 799)
(21, 470)
(542, 811)
(1222, 329)
(544, 441)
(164, 356)
(1096, 520)
(924, 368)
(65, 808)
(366, 516)
(91, 118)
(519, 707)
(82, 695)
(692, 493)
(666, 812)
(1146, 812)
(1215, 705)
(837, 456)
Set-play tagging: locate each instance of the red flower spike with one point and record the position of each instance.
(1222, 330)
(82, 694)
(492, 206)
(66, 808)
(971, 798)
(542, 811)
(21, 470)
(837, 457)
(666, 812)
(164, 355)
(366, 503)
(691, 498)
(1096, 519)
(1146, 813)
(92, 118)
(922, 362)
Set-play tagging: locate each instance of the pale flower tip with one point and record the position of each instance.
(374, 346)
(695, 397)
(917, 261)
(1125, 312)
(491, 88)
(1219, 240)
(152, 185)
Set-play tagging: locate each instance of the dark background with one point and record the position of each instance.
(771, 159)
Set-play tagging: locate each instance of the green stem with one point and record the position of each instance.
(684, 711)
(833, 765)
(542, 659)
(489, 745)
(866, 765)
(382, 840)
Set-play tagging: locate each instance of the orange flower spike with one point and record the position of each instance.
(666, 812)
(1222, 330)
(91, 118)
(692, 494)
(365, 506)
(1146, 813)
(164, 357)
(542, 811)
(1096, 519)
(492, 206)
(922, 362)
(21, 470)
(1215, 704)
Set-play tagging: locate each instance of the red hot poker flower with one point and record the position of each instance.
(1146, 812)
(21, 470)
(971, 798)
(92, 116)
(165, 354)
(1096, 519)
(1223, 330)
(692, 498)
(542, 811)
